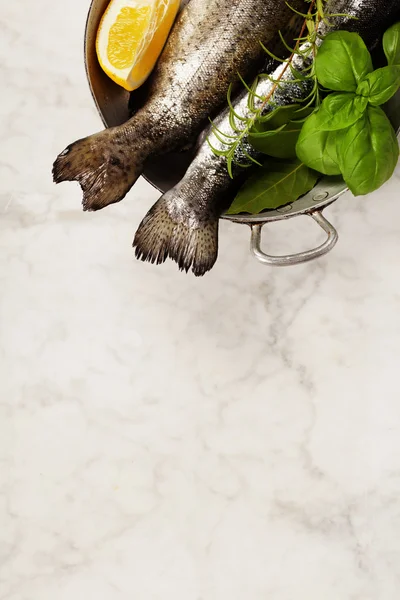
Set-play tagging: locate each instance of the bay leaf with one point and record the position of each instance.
(273, 185)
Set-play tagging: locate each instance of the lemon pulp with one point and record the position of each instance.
(131, 37)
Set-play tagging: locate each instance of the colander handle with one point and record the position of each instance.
(301, 257)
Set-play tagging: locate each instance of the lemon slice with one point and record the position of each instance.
(131, 36)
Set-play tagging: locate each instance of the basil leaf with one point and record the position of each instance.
(369, 152)
(342, 61)
(303, 113)
(279, 116)
(318, 149)
(391, 44)
(360, 104)
(339, 111)
(281, 144)
(272, 186)
(380, 85)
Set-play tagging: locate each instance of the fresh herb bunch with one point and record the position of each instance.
(349, 134)
(339, 128)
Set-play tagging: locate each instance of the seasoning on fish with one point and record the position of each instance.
(211, 42)
(183, 224)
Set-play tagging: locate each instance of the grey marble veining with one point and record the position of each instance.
(166, 437)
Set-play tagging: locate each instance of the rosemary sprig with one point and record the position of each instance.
(233, 144)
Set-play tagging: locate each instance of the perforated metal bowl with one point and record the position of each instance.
(163, 173)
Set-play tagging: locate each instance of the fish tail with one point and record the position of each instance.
(166, 233)
(105, 166)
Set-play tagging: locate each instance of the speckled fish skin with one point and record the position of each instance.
(211, 42)
(183, 224)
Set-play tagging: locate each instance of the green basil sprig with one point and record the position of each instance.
(349, 134)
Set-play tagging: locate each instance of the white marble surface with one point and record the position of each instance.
(165, 437)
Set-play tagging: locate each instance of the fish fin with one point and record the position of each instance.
(163, 234)
(105, 168)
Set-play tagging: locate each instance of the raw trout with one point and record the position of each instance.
(183, 224)
(211, 42)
